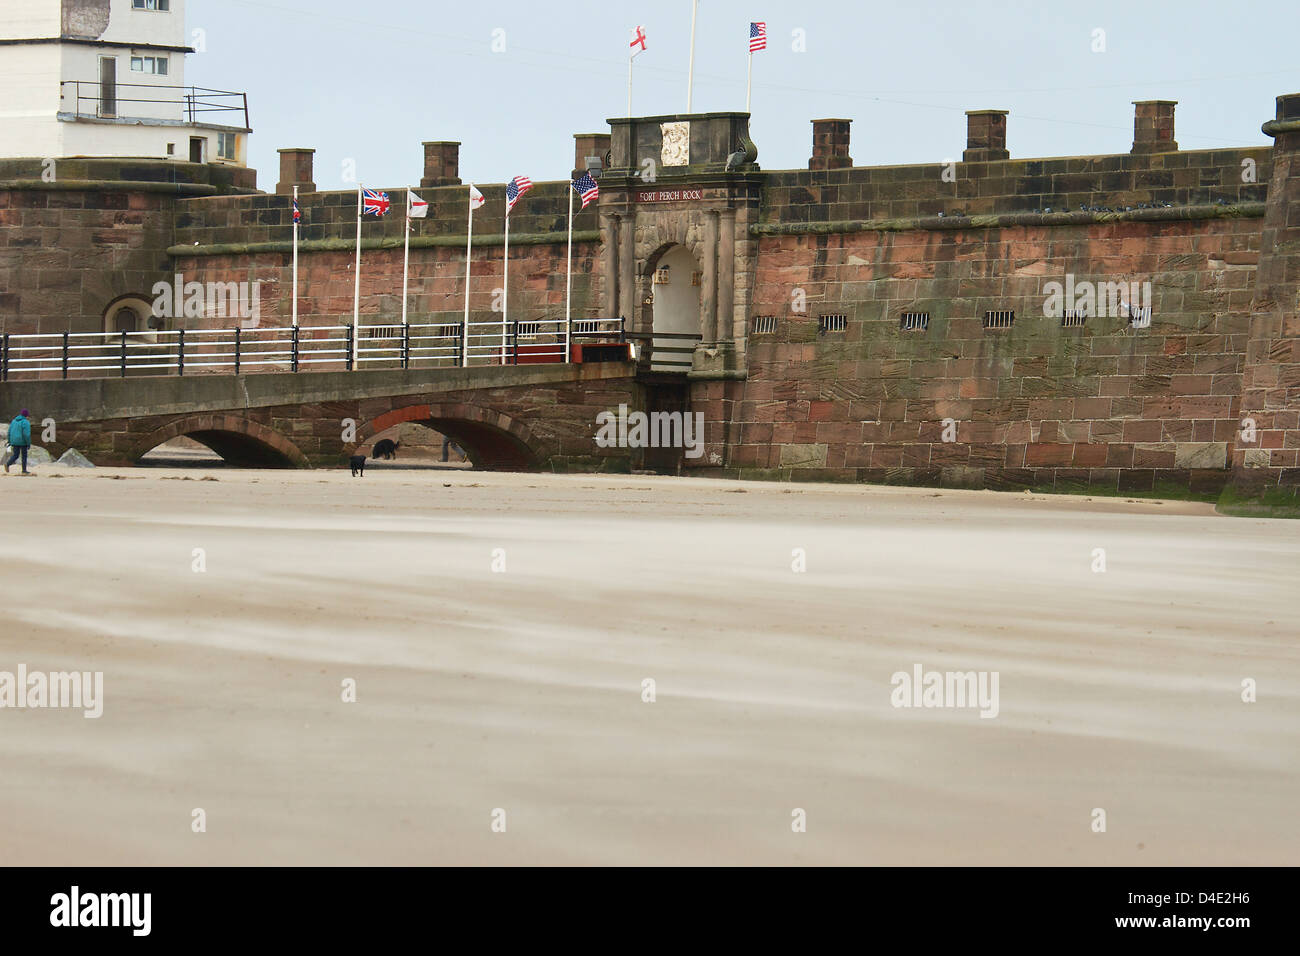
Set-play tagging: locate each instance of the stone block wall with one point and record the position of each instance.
(239, 238)
(1271, 385)
(1016, 185)
(436, 283)
(79, 234)
(1104, 404)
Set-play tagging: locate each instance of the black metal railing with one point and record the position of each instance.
(239, 350)
(669, 351)
(87, 99)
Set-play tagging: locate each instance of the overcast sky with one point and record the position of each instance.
(370, 82)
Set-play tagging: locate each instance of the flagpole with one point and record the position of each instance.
(690, 73)
(356, 292)
(749, 80)
(469, 242)
(568, 281)
(295, 259)
(629, 83)
(505, 286)
(406, 255)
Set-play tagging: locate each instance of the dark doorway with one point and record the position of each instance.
(126, 320)
(108, 86)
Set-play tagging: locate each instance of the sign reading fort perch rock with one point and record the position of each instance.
(670, 195)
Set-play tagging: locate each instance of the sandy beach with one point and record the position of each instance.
(499, 629)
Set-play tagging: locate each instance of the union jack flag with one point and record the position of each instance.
(516, 188)
(297, 213)
(374, 203)
(757, 37)
(586, 187)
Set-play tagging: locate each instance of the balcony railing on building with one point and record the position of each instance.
(83, 99)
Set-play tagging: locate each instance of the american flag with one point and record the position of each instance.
(516, 188)
(586, 187)
(757, 37)
(297, 213)
(374, 203)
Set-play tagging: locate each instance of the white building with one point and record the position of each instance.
(107, 78)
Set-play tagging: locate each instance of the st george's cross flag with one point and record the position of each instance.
(416, 208)
(374, 203)
(586, 187)
(476, 198)
(638, 41)
(757, 36)
(515, 189)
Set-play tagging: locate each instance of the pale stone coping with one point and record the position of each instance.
(1246, 210)
(118, 185)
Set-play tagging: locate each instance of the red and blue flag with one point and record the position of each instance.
(515, 189)
(585, 186)
(374, 203)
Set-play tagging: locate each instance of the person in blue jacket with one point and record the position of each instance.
(20, 439)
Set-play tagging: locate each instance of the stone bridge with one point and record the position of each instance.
(528, 417)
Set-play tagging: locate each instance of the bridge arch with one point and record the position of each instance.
(236, 439)
(492, 441)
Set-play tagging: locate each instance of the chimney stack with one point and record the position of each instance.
(295, 170)
(441, 164)
(986, 136)
(830, 144)
(1153, 126)
(590, 151)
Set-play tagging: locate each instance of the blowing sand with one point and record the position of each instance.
(522, 690)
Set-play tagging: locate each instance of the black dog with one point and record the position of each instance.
(358, 466)
(385, 449)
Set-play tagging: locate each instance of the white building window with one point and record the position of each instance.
(149, 64)
(163, 5)
(227, 146)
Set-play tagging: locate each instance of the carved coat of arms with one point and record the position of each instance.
(676, 144)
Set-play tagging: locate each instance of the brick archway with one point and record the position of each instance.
(237, 440)
(492, 441)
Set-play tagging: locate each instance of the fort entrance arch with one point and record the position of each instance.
(676, 205)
